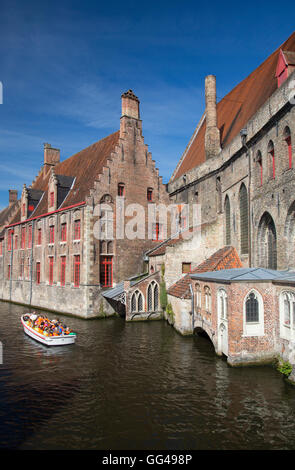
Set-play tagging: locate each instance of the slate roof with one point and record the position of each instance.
(237, 107)
(225, 258)
(246, 274)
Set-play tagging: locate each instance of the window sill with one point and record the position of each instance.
(77, 241)
(62, 243)
(50, 244)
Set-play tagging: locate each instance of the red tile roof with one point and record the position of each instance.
(225, 258)
(84, 166)
(237, 107)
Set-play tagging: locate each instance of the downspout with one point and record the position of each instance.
(31, 261)
(193, 307)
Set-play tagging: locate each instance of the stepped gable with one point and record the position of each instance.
(225, 258)
(236, 108)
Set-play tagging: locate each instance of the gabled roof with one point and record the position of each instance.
(225, 259)
(236, 108)
(83, 168)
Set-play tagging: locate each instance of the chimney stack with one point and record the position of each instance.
(212, 135)
(130, 111)
(12, 196)
(51, 157)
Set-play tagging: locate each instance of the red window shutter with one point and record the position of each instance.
(288, 141)
(76, 270)
(51, 234)
(121, 190)
(272, 153)
(38, 273)
(149, 195)
(39, 236)
(51, 270)
(63, 271)
(106, 271)
(77, 230)
(9, 272)
(23, 241)
(51, 199)
(64, 232)
(15, 242)
(30, 237)
(1, 252)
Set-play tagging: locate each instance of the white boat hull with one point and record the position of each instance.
(61, 340)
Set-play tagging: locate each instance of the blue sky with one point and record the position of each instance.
(64, 66)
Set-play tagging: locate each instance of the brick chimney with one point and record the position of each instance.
(130, 110)
(212, 135)
(12, 196)
(51, 157)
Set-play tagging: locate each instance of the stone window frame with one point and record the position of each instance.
(198, 291)
(254, 328)
(287, 138)
(222, 296)
(287, 331)
(153, 300)
(134, 304)
(208, 299)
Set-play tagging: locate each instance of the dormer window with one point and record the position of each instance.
(285, 66)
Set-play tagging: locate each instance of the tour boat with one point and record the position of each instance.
(60, 340)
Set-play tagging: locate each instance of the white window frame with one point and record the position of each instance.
(254, 328)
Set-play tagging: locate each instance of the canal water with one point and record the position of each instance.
(135, 386)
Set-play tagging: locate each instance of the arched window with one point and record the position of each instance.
(243, 200)
(287, 139)
(137, 302)
(227, 221)
(259, 168)
(271, 160)
(110, 247)
(153, 296)
(252, 309)
(121, 189)
(198, 295)
(219, 194)
(222, 299)
(287, 314)
(207, 293)
(253, 316)
(267, 242)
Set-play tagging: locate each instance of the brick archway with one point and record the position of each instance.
(267, 242)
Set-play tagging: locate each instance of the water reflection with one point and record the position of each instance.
(128, 386)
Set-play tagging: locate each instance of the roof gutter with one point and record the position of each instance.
(48, 213)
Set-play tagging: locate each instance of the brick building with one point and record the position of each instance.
(60, 248)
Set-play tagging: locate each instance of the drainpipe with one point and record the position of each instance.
(31, 261)
(193, 307)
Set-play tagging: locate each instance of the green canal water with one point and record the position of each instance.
(135, 386)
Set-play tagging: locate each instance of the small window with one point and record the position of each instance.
(30, 237)
(76, 270)
(207, 293)
(23, 238)
(38, 273)
(259, 167)
(63, 232)
(287, 138)
(51, 263)
(252, 309)
(149, 194)
(51, 234)
(39, 236)
(136, 302)
(77, 230)
(186, 268)
(198, 296)
(63, 270)
(271, 160)
(157, 234)
(51, 199)
(121, 189)
(24, 209)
